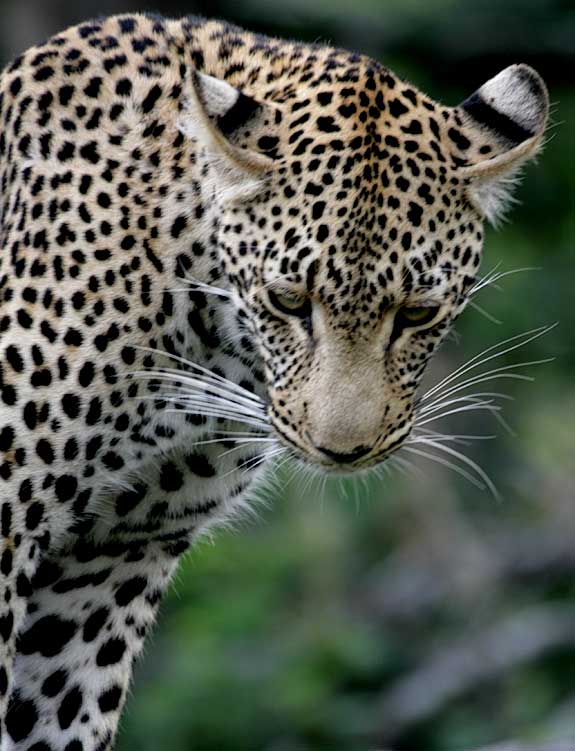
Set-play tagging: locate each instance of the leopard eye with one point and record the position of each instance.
(412, 316)
(290, 303)
(417, 315)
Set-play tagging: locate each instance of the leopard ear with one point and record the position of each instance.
(505, 120)
(232, 124)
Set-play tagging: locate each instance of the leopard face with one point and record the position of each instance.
(358, 243)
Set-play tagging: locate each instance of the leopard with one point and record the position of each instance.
(216, 248)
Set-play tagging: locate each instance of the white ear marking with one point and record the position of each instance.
(509, 112)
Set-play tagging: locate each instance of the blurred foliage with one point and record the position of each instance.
(412, 611)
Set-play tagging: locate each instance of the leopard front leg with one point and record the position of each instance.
(94, 599)
(89, 614)
(22, 537)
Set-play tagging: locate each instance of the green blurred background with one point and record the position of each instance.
(413, 612)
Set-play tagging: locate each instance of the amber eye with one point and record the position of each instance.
(417, 315)
(412, 316)
(290, 303)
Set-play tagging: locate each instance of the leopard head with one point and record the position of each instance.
(351, 230)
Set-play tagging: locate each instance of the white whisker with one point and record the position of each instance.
(461, 457)
(480, 407)
(490, 279)
(484, 313)
(484, 356)
(445, 463)
(195, 366)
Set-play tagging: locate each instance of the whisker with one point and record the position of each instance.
(204, 406)
(196, 366)
(243, 442)
(445, 463)
(203, 380)
(222, 415)
(210, 289)
(447, 437)
(208, 400)
(480, 407)
(493, 277)
(484, 312)
(465, 459)
(479, 396)
(491, 375)
(480, 359)
(207, 392)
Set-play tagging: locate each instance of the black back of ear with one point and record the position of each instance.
(505, 120)
(512, 106)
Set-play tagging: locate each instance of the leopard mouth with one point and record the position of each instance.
(336, 463)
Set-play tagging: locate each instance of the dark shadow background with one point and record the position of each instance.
(414, 612)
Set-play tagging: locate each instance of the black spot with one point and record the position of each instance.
(111, 652)
(129, 499)
(15, 86)
(127, 25)
(54, 683)
(89, 152)
(66, 487)
(129, 590)
(414, 214)
(8, 395)
(6, 561)
(14, 359)
(6, 519)
(397, 108)
(110, 699)
(44, 73)
(66, 152)
(459, 139)
(151, 98)
(124, 87)
(267, 143)
(313, 189)
(327, 125)
(104, 200)
(112, 461)
(69, 707)
(71, 405)
(128, 355)
(171, 479)
(199, 465)
(86, 374)
(93, 88)
(94, 624)
(21, 717)
(45, 451)
(180, 224)
(6, 438)
(48, 636)
(6, 625)
(34, 515)
(65, 94)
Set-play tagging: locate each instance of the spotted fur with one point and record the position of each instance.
(205, 232)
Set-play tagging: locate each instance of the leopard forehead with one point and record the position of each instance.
(366, 202)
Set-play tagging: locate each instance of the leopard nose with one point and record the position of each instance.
(345, 458)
